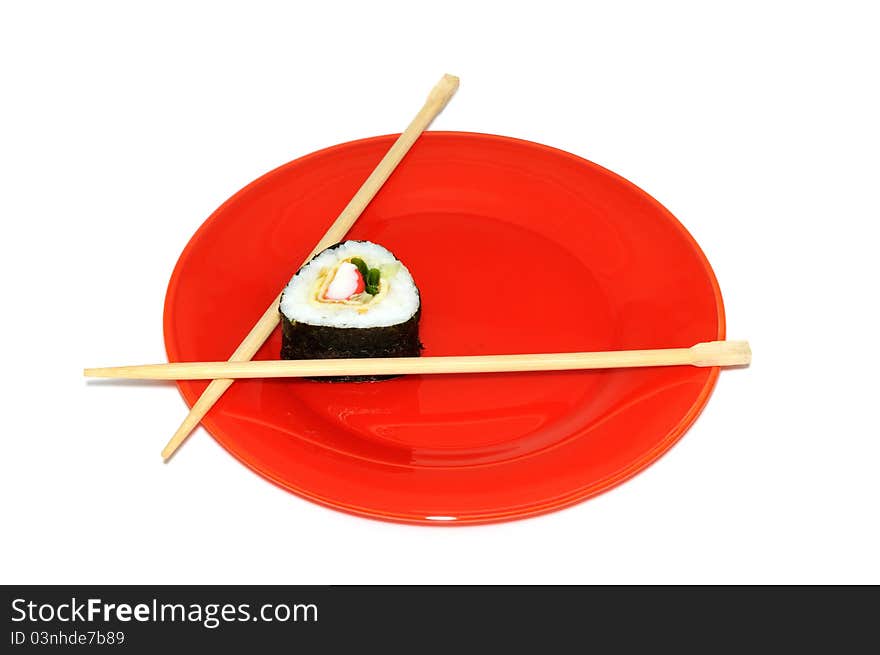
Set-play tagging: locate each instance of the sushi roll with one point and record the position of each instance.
(354, 299)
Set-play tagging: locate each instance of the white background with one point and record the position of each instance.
(123, 129)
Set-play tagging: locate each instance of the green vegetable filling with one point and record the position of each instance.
(370, 275)
(371, 281)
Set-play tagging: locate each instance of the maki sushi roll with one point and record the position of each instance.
(354, 299)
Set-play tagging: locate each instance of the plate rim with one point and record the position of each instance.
(569, 499)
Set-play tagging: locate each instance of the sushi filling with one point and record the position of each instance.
(345, 283)
(352, 282)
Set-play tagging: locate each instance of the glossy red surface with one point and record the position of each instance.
(516, 247)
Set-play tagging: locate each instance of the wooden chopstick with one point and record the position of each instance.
(710, 353)
(437, 99)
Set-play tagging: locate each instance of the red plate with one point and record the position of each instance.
(517, 248)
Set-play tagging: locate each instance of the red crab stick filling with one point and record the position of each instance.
(347, 282)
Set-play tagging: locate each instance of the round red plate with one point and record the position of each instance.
(516, 248)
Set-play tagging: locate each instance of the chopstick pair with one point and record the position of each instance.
(709, 353)
(222, 374)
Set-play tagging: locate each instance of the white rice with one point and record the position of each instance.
(398, 306)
